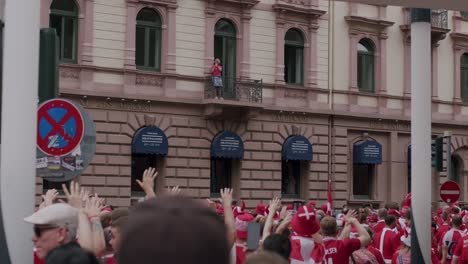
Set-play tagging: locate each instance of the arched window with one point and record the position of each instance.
(148, 40)
(464, 77)
(294, 57)
(225, 50)
(365, 69)
(64, 19)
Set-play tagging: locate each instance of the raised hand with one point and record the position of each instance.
(174, 191)
(76, 196)
(351, 216)
(147, 182)
(275, 204)
(49, 197)
(226, 197)
(93, 206)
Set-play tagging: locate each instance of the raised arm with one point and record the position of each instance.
(229, 221)
(93, 207)
(347, 229)
(363, 236)
(274, 206)
(147, 182)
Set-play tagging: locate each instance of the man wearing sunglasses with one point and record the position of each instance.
(54, 225)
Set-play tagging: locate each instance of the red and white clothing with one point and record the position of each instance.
(216, 70)
(109, 259)
(379, 226)
(387, 242)
(461, 250)
(238, 254)
(376, 253)
(304, 250)
(339, 251)
(450, 240)
(401, 257)
(441, 232)
(38, 260)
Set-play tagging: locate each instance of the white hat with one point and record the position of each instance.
(55, 215)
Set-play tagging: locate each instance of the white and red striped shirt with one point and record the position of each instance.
(451, 239)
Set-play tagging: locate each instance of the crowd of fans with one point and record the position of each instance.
(173, 229)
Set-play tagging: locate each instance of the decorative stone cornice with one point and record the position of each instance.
(242, 3)
(369, 25)
(460, 40)
(166, 3)
(304, 7)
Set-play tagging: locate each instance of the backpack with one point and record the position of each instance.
(363, 256)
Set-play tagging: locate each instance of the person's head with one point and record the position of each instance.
(456, 221)
(265, 258)
(279, 244)
(119, 212)
(345, 209)
(217, 61)
(173, 230)
(390, 221)
(70, 255)
(117, 228)
(320, 215)
(392, 205)
(445, 215)
(382, 213)
(304, 222)
(54, 225)
(328, 227)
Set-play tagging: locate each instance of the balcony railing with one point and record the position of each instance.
(439, 18)
(235, 89)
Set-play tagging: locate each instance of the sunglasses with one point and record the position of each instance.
(38, 231)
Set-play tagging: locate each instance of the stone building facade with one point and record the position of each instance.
(335, 73)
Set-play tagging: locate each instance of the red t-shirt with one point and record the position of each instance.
(441, 232)
(461, 250)
(379, 226)
(38, 260)
(377, 254)
(388, 244)
(216, 70)
(339, 251)
(109, 259)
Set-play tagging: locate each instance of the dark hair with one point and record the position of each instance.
(70, 253)
(279, 244)
(390, 219)
(120, 223)
(105, 219)
(445, 215)
(173, 230)
(408, 214)
(456, 220)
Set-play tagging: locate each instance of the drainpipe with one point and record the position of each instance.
(331, 54)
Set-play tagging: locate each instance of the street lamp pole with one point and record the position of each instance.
(421, 135)
(18, 125)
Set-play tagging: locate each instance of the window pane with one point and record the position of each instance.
(149, 15)
(224, 27)
(69, 39)
(139, 164)
(366, 72)
(140, 46)
(64, 5)
(158, 49)
(152, 48)
(220, 174)
(290, 179)
(464, 84)
(362, 180)
(294, 37)
(56, 23)
(299, 65)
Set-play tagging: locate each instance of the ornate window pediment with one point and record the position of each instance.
(305, 7)
(155, 2)
(370, 25)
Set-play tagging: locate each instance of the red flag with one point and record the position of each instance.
(329, 199)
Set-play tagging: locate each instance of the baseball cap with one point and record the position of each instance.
(55, 215)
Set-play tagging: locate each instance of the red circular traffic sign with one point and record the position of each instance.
(60, 127)
(449, 192)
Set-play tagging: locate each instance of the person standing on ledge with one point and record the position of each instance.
(216, 70)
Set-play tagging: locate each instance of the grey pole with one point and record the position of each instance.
(448, 136)
(18, 125)
(421, 135)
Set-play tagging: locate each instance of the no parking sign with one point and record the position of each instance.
(66, 140)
